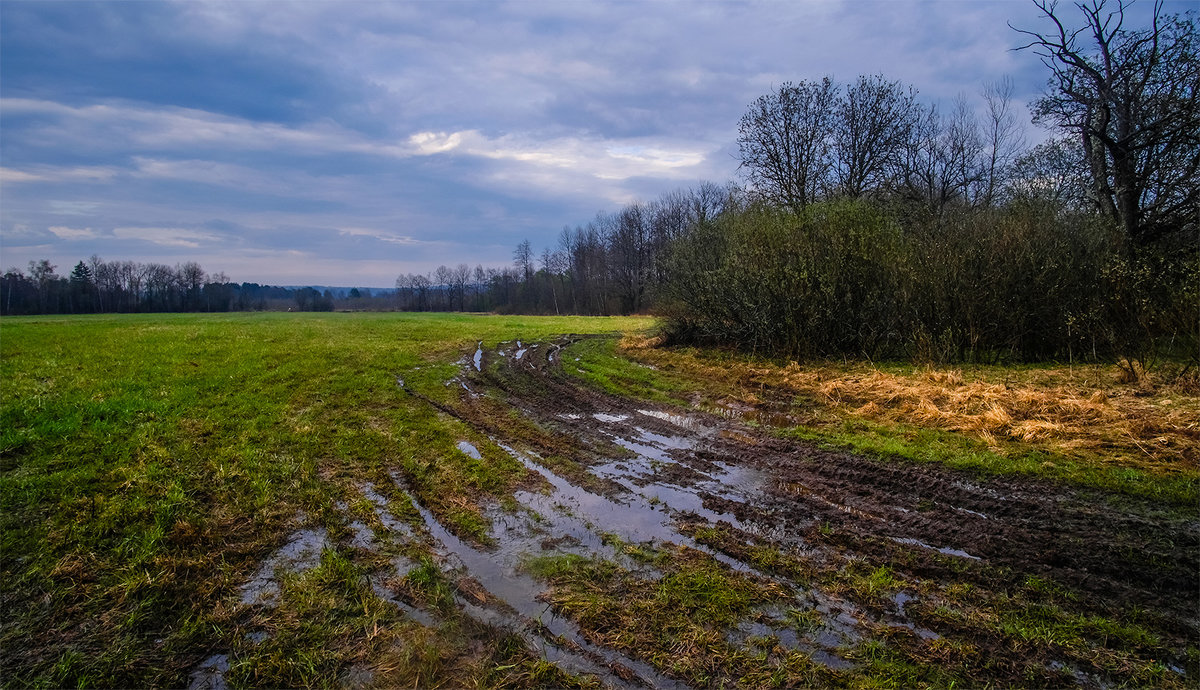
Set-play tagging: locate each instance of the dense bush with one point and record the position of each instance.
(861, 278)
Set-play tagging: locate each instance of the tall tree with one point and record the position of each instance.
(43, 276)
(875, 119)
(523, 260)
(1129, 96)
(1004, 141)
(784, 142)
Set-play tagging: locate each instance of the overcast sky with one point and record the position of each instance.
(344, 143)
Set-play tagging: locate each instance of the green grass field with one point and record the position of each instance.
(149, 463)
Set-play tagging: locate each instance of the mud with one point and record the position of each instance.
(641, 471)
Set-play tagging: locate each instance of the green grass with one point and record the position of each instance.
(148, 463)
(599, 366)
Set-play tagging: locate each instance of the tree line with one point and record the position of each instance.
(98, 286)
(613, 264)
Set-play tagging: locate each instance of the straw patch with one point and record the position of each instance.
(1121, 411)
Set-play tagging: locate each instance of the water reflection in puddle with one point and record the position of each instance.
(653, 452)
(498, 572)
(400, 567)
(469, 448)
(301, 553)
(940, 549)
(390, 522)
(609, 418)
(783, 627)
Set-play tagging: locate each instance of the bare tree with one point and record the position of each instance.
(1130, 96)
(443, 280)
(42, 274)
(420, 284)
(523, 260)
(1004, 138)
(460, 276)
(784, 142)
(875, 119)
(191, 280)
(480, 280)
(942, 161)
(708, 200)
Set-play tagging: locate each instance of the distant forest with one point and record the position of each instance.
(867, 223)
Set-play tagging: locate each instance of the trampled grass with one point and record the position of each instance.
(149, 463)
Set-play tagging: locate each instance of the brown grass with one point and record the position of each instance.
(1114, 413)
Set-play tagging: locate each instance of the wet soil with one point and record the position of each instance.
(605, 470)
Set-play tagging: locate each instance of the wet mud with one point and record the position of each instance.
(657, 475)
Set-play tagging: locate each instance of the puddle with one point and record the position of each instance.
(900, 600)
(400, 567)
(381, 590)
(363, 538)
(301, 553)
(638, 475)
(637, 520)
(499, 574)
(257, 637)
(677, 419)
(390, 522)
(210, 674)
(519, 354)
(972, 512)
(479, 356)
(940, 549)
(570, 415)
(468, 448)
(820, 643)
(1086, 680)
(609, 418)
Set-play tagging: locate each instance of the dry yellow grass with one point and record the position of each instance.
(1101, 411)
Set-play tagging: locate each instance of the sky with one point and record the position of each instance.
(345, 143)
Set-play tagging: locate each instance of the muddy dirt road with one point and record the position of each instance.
(664, 547)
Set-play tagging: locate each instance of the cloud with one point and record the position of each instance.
(66, 233)
(166, 237)
(58, 174)
(72, 207)
(573, 165)
(130, 127)
(8, 175)
(382, 236)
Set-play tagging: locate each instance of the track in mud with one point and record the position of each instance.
(654, 474)
(604, 471)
